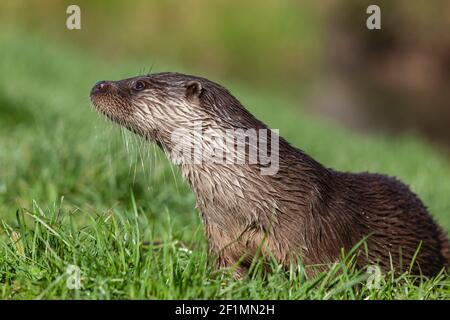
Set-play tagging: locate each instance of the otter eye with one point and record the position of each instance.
(139, 85)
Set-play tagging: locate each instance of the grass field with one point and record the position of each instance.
(76, 190)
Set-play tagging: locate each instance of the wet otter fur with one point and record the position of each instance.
(304, 210)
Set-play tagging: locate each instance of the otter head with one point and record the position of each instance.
(152, 106)
(175, 111)
(156, 106)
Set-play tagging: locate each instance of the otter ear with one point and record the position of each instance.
(193, 89)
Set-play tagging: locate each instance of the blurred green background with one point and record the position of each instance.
(271, 43)
(394, 80)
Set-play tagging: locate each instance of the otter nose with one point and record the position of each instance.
(100, 87)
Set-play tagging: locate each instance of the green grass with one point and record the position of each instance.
(76, 190)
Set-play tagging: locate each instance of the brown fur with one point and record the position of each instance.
(305, 210)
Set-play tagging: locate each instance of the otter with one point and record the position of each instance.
(303, 210)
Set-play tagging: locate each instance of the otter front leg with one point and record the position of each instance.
(226, 259)
(225, 252)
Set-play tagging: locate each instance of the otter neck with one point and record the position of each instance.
(238, 196)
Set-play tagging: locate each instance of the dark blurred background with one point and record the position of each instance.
(392, 80)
